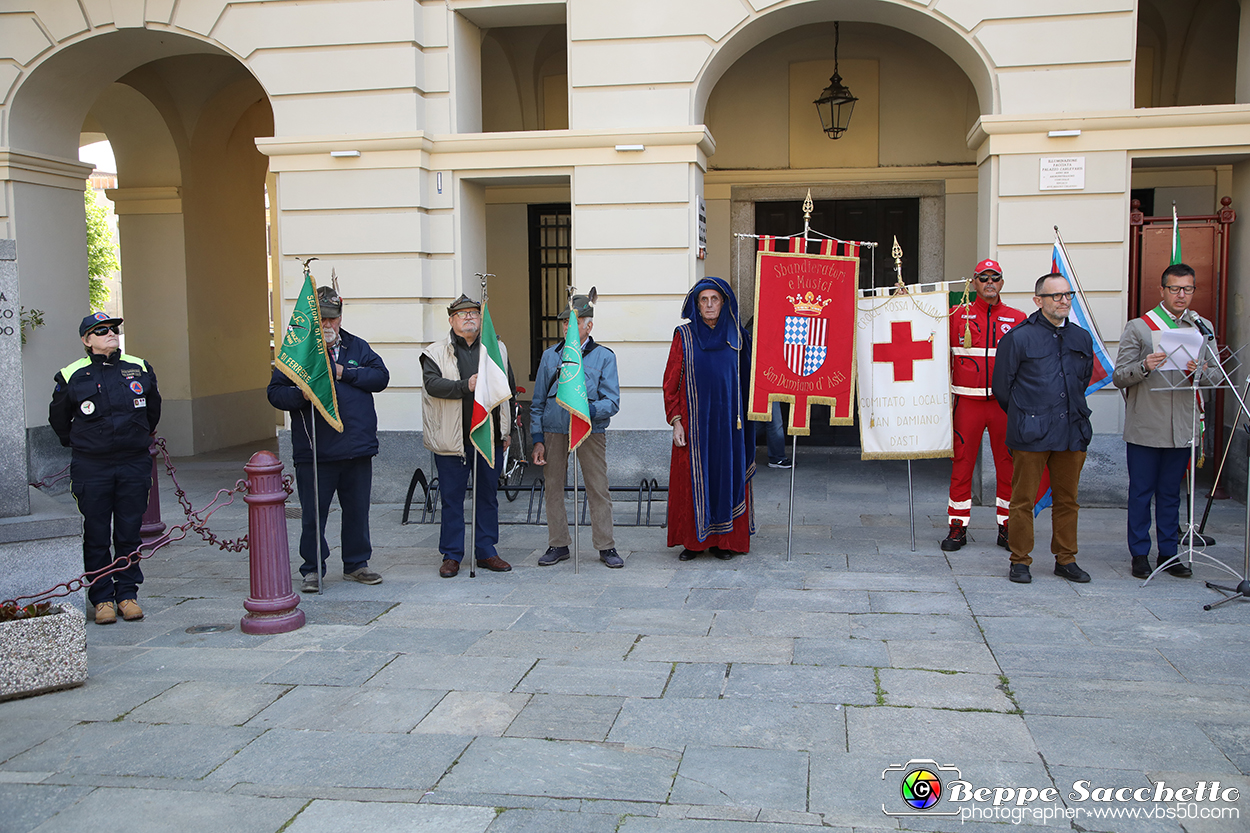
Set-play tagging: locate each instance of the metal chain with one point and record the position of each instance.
(51, 479)
(196, 520)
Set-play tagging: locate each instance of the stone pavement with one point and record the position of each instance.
(753, 695)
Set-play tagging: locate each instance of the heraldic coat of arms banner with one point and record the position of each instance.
(804, 346)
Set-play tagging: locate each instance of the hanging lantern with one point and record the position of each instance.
(836, 103)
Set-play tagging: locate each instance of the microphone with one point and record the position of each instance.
(1196, 319)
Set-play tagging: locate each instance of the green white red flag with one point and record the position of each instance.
(571, 392)
(492, 389)
(1176, 238)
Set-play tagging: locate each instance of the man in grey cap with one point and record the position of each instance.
(344, 461)
(549, 429)
(449, 379)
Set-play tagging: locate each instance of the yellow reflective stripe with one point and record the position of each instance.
(126, 357)
(72, 368)
(975, 352)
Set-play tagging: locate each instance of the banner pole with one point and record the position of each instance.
(577, 546)
(472, 554)
(911, 507)
(794, 461)
(312, 419)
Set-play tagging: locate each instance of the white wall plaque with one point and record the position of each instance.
(1062, 173)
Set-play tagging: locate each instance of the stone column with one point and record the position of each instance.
(14, 494)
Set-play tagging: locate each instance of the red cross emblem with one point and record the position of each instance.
(902, 351)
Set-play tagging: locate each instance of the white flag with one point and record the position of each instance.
(902, 354)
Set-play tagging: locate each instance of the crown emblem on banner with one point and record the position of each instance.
(809, 304)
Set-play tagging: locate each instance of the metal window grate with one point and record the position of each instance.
(551, 262)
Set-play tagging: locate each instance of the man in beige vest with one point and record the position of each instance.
(449, 374)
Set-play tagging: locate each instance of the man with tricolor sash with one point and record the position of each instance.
(467, 383)
(1158, 420)
(576, 393)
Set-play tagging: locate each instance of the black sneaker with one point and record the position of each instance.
(1141, 566)
(308, 584)
(553, 555)
(1179, 569)
(1071, 572)
(1002, 536)
(783, 463)
(1019, 573)
(611, 558)
(957, 538)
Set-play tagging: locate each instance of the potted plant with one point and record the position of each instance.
(43, 647)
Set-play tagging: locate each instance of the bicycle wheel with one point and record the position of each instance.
(513, 474)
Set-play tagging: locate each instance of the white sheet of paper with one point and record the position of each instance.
(1181, 345)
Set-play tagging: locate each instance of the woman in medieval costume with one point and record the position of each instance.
(705, 383)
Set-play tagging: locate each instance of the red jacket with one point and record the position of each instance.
(972, 368)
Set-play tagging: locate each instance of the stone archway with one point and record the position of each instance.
(183, 116)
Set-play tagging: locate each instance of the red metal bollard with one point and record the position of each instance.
(153, 526)
(273, 605)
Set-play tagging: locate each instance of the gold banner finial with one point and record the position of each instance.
(807, 206)
(897, 252)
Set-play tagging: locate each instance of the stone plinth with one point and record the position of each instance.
(42, 654)
(41, 549)
(13, 492)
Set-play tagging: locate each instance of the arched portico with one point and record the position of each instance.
(182, 115)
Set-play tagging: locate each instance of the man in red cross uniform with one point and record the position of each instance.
(976, 329)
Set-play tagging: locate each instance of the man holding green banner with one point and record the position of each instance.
(321, 366)
(576, 393)
(466, 378)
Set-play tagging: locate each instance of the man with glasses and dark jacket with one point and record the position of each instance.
(1158, 420)
(1040, 376)
(976, 329)
(105, 408)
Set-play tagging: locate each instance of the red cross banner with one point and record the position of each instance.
(902, 343)
(804, 347)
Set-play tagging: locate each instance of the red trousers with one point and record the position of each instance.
(972, 417)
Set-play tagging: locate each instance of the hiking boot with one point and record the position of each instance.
(554, 555)
(130, 609)
(1002, 536)
(957, 538)
(364, 575)
(105, 613)
(611, 558)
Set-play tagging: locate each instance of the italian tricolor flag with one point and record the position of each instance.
(491, 391)
(1176, 237)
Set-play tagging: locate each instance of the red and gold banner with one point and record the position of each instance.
(804, 347)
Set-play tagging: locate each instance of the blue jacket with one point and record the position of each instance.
(106, 407)
(1040, 376)
(603, 391)
(364, 374)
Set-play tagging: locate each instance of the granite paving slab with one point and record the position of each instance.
(821, 601)
(348, 709)
(1233, 739)
(1065, 777)
(1086, 661)
(478, 713)
(759, 649)
(673, 723)
(1222, 663)
(95, 699)
(661, 621)
(526, 766)
(1116, 698)
(577, 676)
(802, 683)
(315, 638)
(939, 626)
(286, 757)
(943, 690)
(553, 594)
(697, 679)
(866, 652)
(640, 824)
(485, 617)
(712, 598)
(915, 732)
(780, 623)
(743, 576)
(566, 717)
(1126, 743)
(893, 601)
(210, 664)
(973, 657)
(212, 704)
(777, 779)
(448, 673)
(134, 748)
(568, 619)
(414, 640)
(623, 598)
(187, 811)
(1030, 630)
(545, 644)
(341, 668)
(551, 821)
(26, 805)
(385, 817)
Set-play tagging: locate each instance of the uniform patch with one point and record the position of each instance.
(1006, 327)
(141, 402)
(87, 407)
(130, 373)
(100, 316)
(136, 387)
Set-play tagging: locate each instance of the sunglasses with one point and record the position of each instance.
(990, 278)
(105, 330)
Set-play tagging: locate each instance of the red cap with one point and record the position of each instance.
(988, 265)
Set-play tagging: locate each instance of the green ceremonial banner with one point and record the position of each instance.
(303, 358)
(571, 393)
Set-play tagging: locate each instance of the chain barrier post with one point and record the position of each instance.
(273, 605)
(153, 526)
